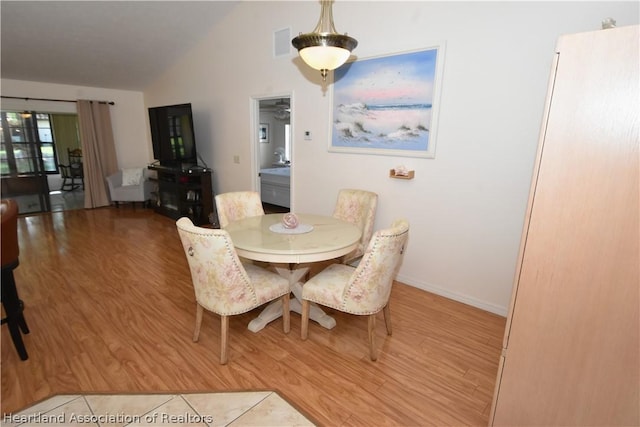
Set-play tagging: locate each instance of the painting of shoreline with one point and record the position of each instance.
(384, 105)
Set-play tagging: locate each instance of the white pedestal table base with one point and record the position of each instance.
(273, 311)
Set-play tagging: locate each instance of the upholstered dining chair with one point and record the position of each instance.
(237, 205)
(13, 305)
(363, 290)
(222, 284)
(359, 208)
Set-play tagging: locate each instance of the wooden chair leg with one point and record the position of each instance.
(224, 339)
(14, 307)
(387, 318)
(196, 333)
(22, 323)
(286, 314)
(372, 337)
(16, 337)
(305, 319)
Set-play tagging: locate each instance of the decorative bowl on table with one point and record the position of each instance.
(290, 224)
(290, 220)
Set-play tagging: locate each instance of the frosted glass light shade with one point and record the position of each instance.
(324, 49)
(324, 57)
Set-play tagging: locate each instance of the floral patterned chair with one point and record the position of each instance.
(363, 290)
(222, 284)
(357, 207)
(237, 205)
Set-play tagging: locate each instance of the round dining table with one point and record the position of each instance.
(290, 251)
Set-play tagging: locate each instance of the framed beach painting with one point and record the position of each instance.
(388, 104)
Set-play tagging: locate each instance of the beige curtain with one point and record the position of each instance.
(98, 151)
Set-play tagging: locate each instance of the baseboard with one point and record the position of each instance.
(465, 299)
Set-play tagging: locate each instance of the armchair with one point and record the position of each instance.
(130, 185)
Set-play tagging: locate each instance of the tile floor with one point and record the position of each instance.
(261, 408)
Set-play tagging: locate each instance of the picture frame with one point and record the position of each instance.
(263, 132)
(388, 104)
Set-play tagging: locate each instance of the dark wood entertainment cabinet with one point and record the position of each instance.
(184, 192)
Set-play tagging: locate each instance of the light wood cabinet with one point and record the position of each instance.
(571, 347)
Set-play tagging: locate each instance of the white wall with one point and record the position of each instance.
(127, 115)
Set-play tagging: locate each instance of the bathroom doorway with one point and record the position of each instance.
(273, 143)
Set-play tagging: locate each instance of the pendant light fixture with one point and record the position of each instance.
(324, 49)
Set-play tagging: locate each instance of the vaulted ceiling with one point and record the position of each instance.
(108, 44)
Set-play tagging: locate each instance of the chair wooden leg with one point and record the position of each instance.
(305, 319)
(372, 337)
(196, 333)
(286, 314)
(224, 339)
(22, 323)
(16, 337)
(387, 318)
(14, 308)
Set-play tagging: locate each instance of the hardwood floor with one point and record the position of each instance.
(110, 305)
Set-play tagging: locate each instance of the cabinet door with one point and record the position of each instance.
(572, 352)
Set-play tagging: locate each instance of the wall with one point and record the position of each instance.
(466, 206)
(128, 115)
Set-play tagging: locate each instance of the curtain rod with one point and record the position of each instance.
(54, 100)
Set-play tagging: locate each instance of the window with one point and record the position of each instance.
(27, 145)
(47, 145)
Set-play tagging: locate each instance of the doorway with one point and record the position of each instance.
(33, 148)
(273, 151)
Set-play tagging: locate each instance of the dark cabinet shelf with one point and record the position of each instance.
(184, 193)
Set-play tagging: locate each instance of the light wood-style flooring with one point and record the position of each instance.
(110, 305)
